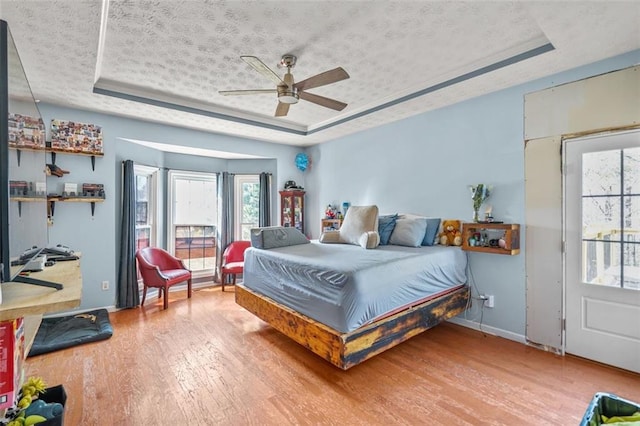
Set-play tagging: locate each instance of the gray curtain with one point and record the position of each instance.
(264, 210)
(224, 233)
(128, 295)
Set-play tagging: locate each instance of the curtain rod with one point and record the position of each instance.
(142, 164)
(167, 168)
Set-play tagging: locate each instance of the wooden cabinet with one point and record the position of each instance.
(496, 238)
(330, 224)
(292, 208)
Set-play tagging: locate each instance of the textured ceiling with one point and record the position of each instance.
(179, 54)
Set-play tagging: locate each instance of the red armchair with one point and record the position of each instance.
(161, 270)
(233, 260)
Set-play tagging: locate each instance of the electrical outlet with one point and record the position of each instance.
(105, 285)
(489, 301)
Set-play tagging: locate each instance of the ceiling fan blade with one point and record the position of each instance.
(282, 109)
(247, 92)
(322, 101)
(322, 79)
(260, 66)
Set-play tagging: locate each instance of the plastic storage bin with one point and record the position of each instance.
(54, 394)
(610, 405)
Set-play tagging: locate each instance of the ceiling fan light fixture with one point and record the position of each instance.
(287, 96)
(288, 99)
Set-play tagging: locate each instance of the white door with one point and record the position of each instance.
(602, 257)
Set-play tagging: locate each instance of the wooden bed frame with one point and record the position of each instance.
(344, 350)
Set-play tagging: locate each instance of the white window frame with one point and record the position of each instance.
(237, 201)
(171, 178)
(152, 174)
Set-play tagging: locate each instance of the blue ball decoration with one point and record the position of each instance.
(302, 161)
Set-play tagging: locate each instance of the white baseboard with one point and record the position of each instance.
(111, 308)
(152, 293)
(489, 330)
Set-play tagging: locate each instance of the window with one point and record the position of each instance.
(192, 219)
(247, 205)
(146, 202)
(611, 218)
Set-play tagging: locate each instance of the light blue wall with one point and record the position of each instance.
(424, 165)
(98, 237)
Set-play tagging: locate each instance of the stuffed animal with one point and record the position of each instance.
(330, 212)
(450, 235)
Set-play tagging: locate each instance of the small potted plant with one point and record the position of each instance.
(479, 193)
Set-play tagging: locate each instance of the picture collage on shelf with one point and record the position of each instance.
(76, 137)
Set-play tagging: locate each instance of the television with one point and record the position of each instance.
(23, 195)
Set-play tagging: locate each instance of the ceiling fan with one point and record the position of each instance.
(290, 92)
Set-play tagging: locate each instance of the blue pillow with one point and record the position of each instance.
(433, 224)
(386, 224)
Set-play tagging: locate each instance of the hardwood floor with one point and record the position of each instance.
(207, 361)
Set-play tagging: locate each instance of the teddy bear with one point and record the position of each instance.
(450, 235)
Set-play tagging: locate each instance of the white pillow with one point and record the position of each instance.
(433, 227)
(409, 232)
(358, 221)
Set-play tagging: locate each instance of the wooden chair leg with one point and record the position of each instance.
(144, 295)
(189, 288)
(224, 278)
(166, 297)
(234, 279)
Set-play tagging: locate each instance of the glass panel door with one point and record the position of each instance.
(602, 222)
(611, 218)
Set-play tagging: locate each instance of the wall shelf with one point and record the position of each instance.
(53, 152)
(52, 199)
(19, 150)
(330, 224)
(93, 155)
(21, 199)
(494, 238)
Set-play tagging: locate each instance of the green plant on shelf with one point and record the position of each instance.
(479, 194)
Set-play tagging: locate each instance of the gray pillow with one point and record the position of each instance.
(408, 232)
(276, 236)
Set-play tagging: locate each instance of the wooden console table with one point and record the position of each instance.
(32, 301)
(20, 300)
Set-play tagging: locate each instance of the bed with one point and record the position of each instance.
(347, 304)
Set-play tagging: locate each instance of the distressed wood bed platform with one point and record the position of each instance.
(344, 350)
